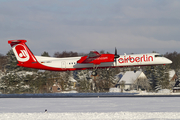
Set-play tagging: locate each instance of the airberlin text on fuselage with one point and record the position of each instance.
(130, 59)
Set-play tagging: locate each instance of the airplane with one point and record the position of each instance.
(93, 60)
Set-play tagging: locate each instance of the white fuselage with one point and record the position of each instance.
(122, 61)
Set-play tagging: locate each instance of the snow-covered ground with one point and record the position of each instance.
(116, 108)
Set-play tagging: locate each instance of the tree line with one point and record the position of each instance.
(13, 80)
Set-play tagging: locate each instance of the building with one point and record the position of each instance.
(56, 87)
(129, 78)
(174, 81)
(172, 76)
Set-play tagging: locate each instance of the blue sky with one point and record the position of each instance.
(132, 26)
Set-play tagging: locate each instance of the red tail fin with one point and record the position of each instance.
(22, 52)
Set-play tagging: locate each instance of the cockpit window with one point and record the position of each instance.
(158, 55)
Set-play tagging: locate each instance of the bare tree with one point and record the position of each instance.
(65, 54)
(3, 62)
(141, 83)
(122, 85)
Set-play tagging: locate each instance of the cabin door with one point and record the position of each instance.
(63, 64)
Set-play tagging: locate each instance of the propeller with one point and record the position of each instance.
(116, 56)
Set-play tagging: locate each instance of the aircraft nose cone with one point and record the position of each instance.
(169, 61)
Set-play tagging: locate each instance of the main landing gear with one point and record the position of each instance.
(94, 73)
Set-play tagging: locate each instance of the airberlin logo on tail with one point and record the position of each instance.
(21, 53)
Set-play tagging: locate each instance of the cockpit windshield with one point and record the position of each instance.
(158, 55)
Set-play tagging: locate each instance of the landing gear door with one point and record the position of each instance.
(63, 64)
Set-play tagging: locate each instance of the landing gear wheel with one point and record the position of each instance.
(94, 73)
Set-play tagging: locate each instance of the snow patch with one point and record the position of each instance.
(114, 90)
(90, 116)
(164, 91)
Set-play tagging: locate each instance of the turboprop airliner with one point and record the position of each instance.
(94, 60)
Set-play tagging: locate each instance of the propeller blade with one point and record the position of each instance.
(115, 51)
(116, 56)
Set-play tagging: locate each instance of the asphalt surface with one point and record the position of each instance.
(83, 95)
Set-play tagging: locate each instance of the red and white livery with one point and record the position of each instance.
(93, 61)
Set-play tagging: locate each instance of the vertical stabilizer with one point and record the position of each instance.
(22, 52)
